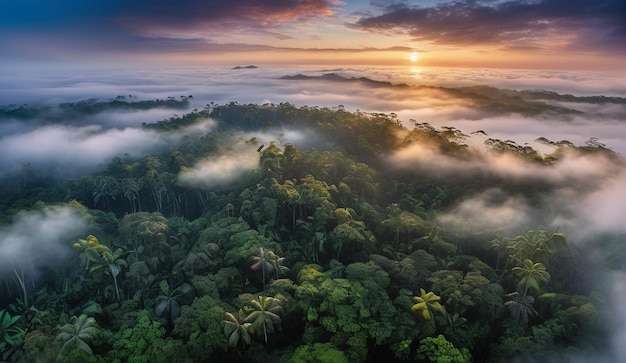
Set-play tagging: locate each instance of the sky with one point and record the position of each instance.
(536, 34)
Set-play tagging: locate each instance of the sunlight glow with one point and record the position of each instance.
(414, 57)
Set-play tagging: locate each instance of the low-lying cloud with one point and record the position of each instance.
(489, 209)
(69, 149)
(221, 170)
(584, 192)
(37, 239)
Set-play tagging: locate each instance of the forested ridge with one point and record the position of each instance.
(332, 251)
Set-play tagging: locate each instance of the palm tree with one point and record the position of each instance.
(167, 302)
(236, 330)
(277, 263)
(76, 333)
(521, 307)
(500, 246)
(531, 275)
(265, 260)
(427, 304)
(538, 245)
(262, 311)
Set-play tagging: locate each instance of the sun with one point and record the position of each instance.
(414, 57)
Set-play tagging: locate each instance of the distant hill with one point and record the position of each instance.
(246, 67)
(334, 77)
(484, 98)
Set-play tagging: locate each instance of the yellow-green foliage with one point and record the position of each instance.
(440, 350)
(131, 344)
(318, 353)
(426, 305)
(346, 309)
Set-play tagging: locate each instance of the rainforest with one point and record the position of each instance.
(277, 232)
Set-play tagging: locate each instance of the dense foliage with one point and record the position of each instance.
(314, 255)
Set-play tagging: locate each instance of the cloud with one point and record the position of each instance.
(542, 24)
(618, 320)
(489, 209)
(37, 29)
(597, 210)
(39, 238)
(73, 145)
(93, 141)
(183, 13)
(583, 193)
(222, 170)
(69, 149)
(254, 12)
(242, 156)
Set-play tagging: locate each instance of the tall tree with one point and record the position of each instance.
(76, 333)
(427, 304)
(263, 315)
(236, 330)
(97, 257)
(531, 274)
(521, 307)
(266, 261)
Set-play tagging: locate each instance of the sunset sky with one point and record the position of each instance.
(550, 34)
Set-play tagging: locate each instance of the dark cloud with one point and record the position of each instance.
(32, 28)
(161, 14)
(575, 23)
(189, 12)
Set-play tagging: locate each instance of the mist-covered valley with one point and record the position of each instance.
(345, 214)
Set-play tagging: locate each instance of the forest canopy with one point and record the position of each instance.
(278, 232)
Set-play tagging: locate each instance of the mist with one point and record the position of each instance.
(586, 191)
(74, 147)
(415, 95)
(408, 101)
(40, 238)
(221, 170)
(586, 194)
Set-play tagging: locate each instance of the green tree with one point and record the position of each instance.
(345, 234)
(97, 257)
(133, 343)
(520, 307)
(531, 274)
(352, 312)
(318, 353)
(403, 225)
(236, 330)
(167, 304)
(440, 350)
(91, 251)
(263, 314)
(266, 261)
(76, 333)
(537, 245)
(201, 327)
(500, 246)
(470, 291)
